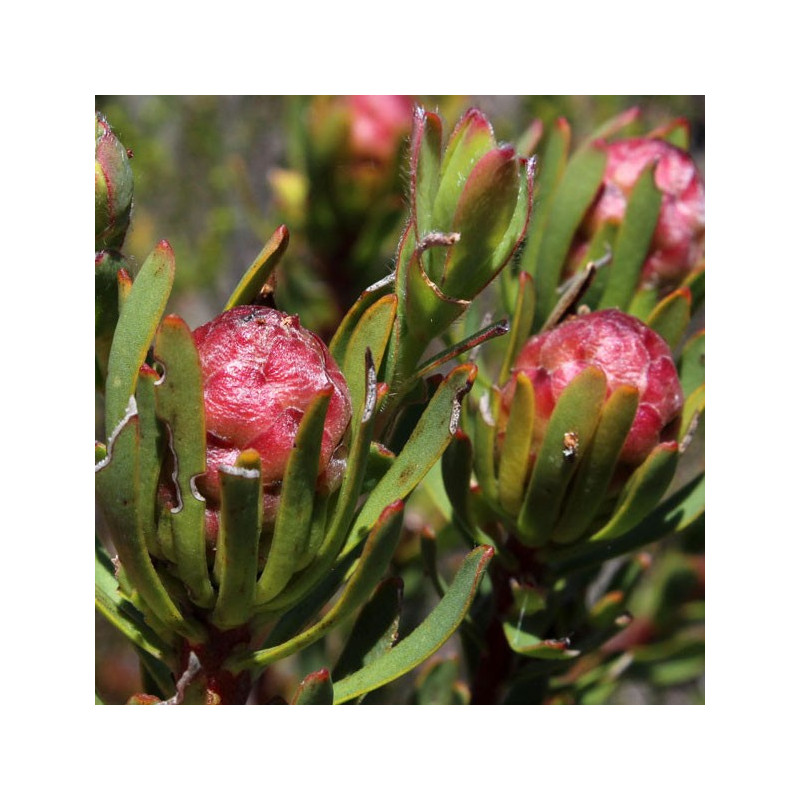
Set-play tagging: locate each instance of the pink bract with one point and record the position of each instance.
(261, 370)
(628, 352)
(678, 244)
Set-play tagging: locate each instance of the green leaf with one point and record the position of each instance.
(236, 559)
(117, 480)
(471, 139)
(571, 200)
(179, 403)
(138, 320)
(484, 421)
(427, 638)
(374, 560)
(696, 283)
(695, 404)
(642, 491)
(588, 491)
(692, 365)
(315, 689)
(439, 685)
(633, 241)
(670, 318)
(375, 629)
(341, 339)
(150, 454)
(576, 415)
(482, 217)
(676, 513)
(457, 462)
(432, 434)
(515, 456)
(293, 522)
(120, 612)
(521, 325)
(426, 159)
(530, 645)
(259, 271)
(371, 333)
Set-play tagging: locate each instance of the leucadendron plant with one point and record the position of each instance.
(233, 471)
(533, 358)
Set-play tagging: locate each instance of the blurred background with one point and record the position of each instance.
(215, 176)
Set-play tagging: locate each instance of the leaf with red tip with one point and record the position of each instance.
(426, 162)
(427, 638)
(676, 132)
(259, 271)
(642, 492)
(530, 645)
(482, 218)
(236, 558)
(179, 403)
(613, 126)
(374, 631)
(670, 318)
(138, 320)
(315, 689)
(471, 139)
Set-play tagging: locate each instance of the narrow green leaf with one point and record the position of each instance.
(522, 321)
(588, 490)
(427, 638)
(259, 271)
(138, 320)
(374, 560)
(633, 241)
(293, 522)
(315, 689)
(341, 339)
(613, 126)
(179, 402)
(371, 333)
(236, 559)
(426, 160)
(120, 612)
(571, 199)
(457, 461)
(374, 631)
(548, 173)
(439, 685)
(695, 404)
(676, 513)
(116, 480)
(515, 455)
(150, 454)
(484, 421)
(670, 318)
(575, 419)
(642, 491)
(530, 645)
(692, 365)
(432, 434)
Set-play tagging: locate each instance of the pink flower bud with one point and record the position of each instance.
(379, 122)
(261, 370)
(678, 244)
(627, 351)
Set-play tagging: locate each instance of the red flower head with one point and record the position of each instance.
(627, 351)
(261, 370)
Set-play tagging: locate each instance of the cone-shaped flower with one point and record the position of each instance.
(678, 243)
(261, 370)
(629, 354)
(113, 187)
